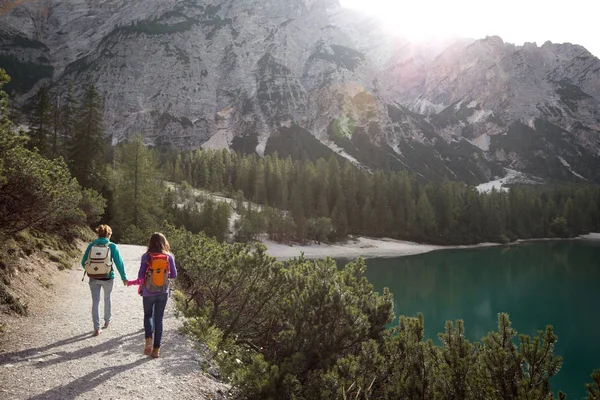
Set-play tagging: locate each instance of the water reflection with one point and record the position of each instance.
(537, 283)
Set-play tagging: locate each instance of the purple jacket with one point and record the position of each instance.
(144, 266)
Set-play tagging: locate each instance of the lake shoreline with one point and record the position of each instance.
(367, 247)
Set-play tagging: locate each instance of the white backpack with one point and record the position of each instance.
(98, 264)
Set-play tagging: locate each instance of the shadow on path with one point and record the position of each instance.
(30, 355)
(87, 382)
(27, 354)
(108, 346)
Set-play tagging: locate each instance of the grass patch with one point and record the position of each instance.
(11, 302)
(44, 282)
(60, 258)
(61, 249)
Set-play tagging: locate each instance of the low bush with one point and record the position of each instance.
(310, 330)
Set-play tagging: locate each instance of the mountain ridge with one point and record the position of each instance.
(246, 75)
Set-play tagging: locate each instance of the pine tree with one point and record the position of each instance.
(593, 389)
(323, 207)
(381, 207)
(208, 218)
(340, 218)
(426, 216)
(469, 220)
(67, 121)
(260, 187)
(569, 214)
(138, 191)
(297, 210)
(334, 185)
(35, 192)
(40, 121)
(320, 184)
(55, 142)
(306, 176)
(177, 175)
(12, 109)
(349, 192)
(223, 213)
(87, 148)
(368, 218)
(217, 170)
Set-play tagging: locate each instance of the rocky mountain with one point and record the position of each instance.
(307, 78)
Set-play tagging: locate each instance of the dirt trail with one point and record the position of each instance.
(53, 355)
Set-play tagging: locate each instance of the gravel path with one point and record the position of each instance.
(53, 355)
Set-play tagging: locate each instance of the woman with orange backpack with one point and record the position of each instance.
(157, 267)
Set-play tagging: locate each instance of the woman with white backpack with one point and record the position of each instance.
(99, 260)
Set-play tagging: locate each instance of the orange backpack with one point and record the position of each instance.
(157, 273)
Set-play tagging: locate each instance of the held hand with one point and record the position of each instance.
(125, 282)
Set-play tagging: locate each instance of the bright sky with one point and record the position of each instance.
(515, 21)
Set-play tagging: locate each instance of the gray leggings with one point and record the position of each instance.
(95, 286)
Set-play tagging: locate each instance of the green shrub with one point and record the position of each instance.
(35, 192)
(60, 258)
(11, 302)
(308, 330)
(92, 204)
(45, 283)
(24, 237)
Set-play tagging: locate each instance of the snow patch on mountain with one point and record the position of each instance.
(335, 148)
(424, 106)
(479, 115)
(512, 177)
(483, 142)
(568, 166)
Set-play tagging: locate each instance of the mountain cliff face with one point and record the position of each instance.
(307, 78)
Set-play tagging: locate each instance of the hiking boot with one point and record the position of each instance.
(97, 332)
(155, 352)
(148, 346)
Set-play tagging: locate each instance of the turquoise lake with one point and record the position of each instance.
(537, 283)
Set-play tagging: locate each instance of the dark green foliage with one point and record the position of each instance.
(36, 195)
(34, 191)
(138, 190)
(594, 388)
(93, 205)
(40, 122)
(320, 229)
(87, 147)
(309, 330)
(66, 121)
(250, 226)
(298, 144)
(358, 202)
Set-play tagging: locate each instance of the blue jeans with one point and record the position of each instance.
(95, 286)
(154, 311)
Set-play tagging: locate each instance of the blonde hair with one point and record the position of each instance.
(159, 244)
(104, 231)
